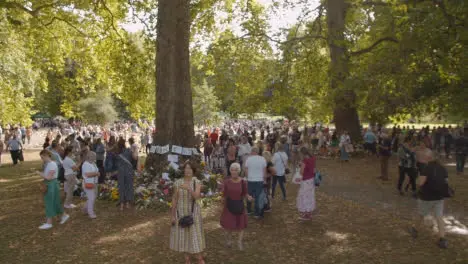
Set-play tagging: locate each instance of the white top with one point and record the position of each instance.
(345, 139)
(50, 166)
(244, 149)
(280, 159)
(256, 167)
(68, 165)
(87, 168)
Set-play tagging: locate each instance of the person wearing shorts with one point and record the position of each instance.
(433, 190)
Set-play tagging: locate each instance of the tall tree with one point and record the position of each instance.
(174, 112)
(345, 112)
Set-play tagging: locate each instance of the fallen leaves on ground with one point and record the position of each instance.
(347, 228)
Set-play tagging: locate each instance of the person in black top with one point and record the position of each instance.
(254, 134)
(271, 139)
(385, 152)
(223, 138)
(267, 183)
(448, 141)
(407, 165)
(433, 188)
(437, 138)
(461, 150)
(46, 143)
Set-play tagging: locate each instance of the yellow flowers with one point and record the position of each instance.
(115, 194)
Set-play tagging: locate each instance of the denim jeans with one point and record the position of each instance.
(254, 190)
(461, 159)
(281, 180)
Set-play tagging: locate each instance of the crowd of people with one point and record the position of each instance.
(254, 157)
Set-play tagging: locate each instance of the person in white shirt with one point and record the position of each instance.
(244, 150)
(90, 181)
(15, 147)
(52, 203)
(255, 169)
(280, 161)
(345, 142)
(70, 169)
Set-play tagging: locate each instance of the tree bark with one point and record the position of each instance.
(345, 111)
(174, 111)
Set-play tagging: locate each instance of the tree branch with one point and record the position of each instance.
(112, 19)
(371, 47)
(375, 3)
(66, 22)
(32, 12)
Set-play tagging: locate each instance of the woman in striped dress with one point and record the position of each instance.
(190, 240)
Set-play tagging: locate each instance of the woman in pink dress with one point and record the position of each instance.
(234, 216)
(306, 197)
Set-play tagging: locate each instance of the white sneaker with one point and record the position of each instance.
(65, 218)
(71, 206)
(45, 226)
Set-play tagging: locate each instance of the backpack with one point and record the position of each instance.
(318, 178)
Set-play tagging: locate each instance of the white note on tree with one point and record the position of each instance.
(165, 149)
(177, 149)
(173, 158)
(153, 149)
(187, 151)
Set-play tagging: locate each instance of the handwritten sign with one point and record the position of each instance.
(187, 151)
(164, 149)
(177, 149)
(153, 149)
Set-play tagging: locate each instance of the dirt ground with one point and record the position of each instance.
(359, 220)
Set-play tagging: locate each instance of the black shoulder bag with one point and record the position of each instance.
(187, 220)
(236, 207)
(286, 169)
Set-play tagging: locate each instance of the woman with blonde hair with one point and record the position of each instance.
(70, 167)
(52, 203)
(90, 173)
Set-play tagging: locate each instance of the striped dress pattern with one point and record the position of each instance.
(191, 239)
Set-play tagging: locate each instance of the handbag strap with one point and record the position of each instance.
(193, 200)
(125, 159)
(282, 161)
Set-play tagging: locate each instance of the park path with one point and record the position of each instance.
(356, 181)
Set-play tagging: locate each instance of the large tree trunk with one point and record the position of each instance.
(345, 111)
(174, 112)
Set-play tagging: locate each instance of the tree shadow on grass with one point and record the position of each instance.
(343, 231)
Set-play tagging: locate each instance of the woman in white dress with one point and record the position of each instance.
(90, 173)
